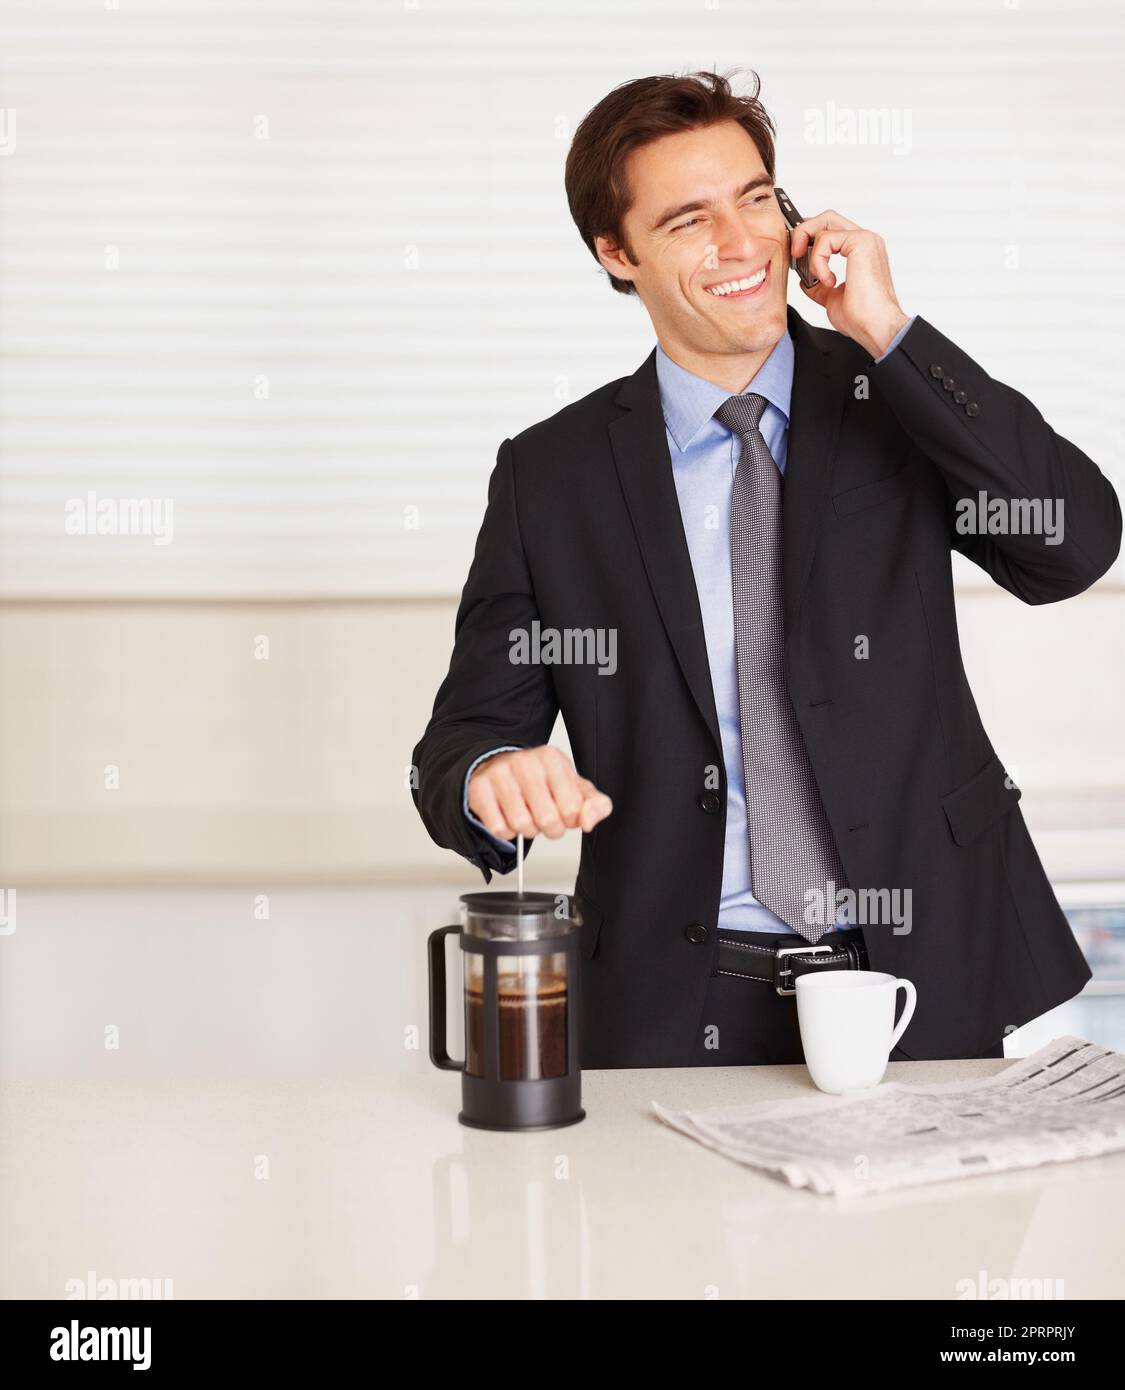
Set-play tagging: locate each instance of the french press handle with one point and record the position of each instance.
(438, 1054)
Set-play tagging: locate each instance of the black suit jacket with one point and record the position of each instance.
(583, 530)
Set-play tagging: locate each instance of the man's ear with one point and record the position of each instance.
(614, 258)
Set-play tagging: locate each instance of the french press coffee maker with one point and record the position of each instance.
(521, 968)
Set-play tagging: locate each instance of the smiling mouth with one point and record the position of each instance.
(743, 287)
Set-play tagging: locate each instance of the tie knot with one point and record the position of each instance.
(741, 414)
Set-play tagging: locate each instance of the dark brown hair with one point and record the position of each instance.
(635, 114)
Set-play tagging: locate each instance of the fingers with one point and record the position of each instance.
(799, 239)
(829, 234)
(532, 778)
(595, 806)
(820, 294)
(858, 245)
(485, 805)
(828, 243)
(820, 250)
(811, 227)
(510, 795)
(565, 785)
(533, 791)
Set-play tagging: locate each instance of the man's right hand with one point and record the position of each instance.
(534, 790)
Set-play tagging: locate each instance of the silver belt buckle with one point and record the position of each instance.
(795, 951)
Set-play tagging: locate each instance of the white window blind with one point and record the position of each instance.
(298, 268)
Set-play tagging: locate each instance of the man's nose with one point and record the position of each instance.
(737, 237)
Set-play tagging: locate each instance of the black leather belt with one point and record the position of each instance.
(780, 960)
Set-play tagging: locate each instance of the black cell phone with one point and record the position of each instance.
(792, 217)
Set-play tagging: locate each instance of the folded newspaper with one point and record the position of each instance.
(1065, 1101)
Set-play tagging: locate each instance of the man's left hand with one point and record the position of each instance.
(864, 306)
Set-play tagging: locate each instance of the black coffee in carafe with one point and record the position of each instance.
(520, 956)
(533, 1019)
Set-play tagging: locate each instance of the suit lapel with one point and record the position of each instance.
(640, 451)
(815, 411)
(644, 466)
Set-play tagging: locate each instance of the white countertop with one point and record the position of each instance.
(375, 1191)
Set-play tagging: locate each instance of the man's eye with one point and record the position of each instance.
(683, 225)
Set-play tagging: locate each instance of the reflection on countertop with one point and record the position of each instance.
(367, 1187)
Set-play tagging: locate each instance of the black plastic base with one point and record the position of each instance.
(518, 1129)
(548, 1103)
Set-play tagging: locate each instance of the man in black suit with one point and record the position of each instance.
(731, 573)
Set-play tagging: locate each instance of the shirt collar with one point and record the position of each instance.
(689, 401)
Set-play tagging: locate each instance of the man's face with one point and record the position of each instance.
(703, 215)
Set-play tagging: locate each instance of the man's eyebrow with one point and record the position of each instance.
(762, 181)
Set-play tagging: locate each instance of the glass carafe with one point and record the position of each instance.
(521, 968)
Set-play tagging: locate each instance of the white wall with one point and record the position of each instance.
(293, 769)
(297, 268)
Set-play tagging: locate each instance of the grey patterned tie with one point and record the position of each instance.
(791, 844)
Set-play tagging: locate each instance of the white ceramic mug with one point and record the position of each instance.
(847, 1020)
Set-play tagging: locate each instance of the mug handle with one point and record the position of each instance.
(438, 1055)
(907, 1011)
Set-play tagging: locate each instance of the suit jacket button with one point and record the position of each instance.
(960, 397)
(696, 933)
(972, 408)
(710, 803)
(935, 370)
(948, 384)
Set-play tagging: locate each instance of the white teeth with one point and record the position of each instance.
(734, 286)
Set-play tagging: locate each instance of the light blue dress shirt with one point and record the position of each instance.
(704, 457)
